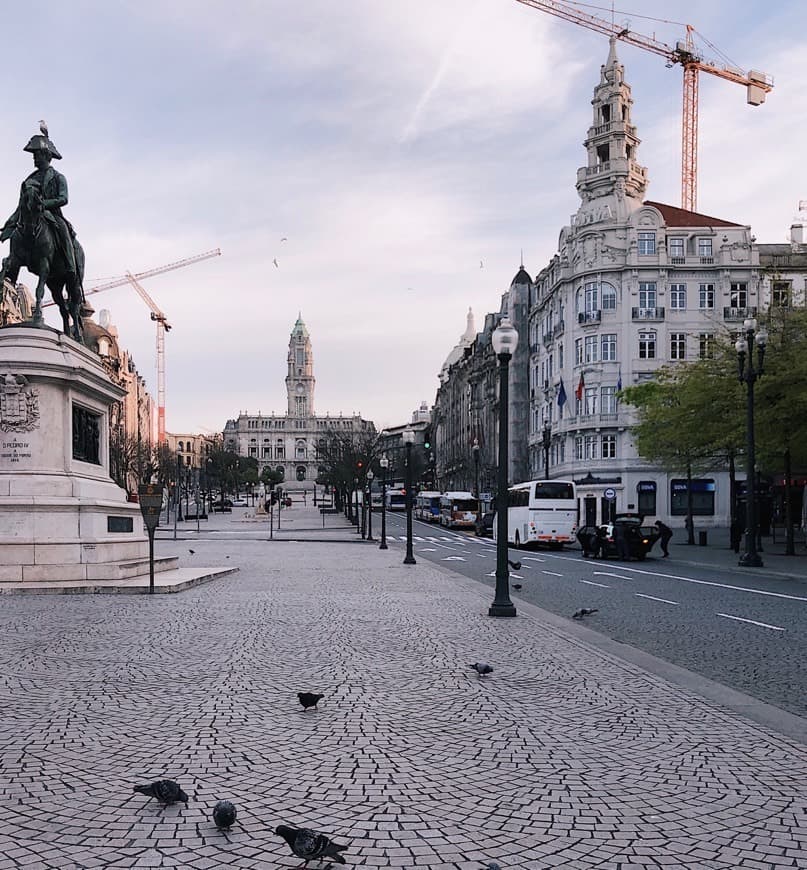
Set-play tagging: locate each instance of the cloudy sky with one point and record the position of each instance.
(395, 145)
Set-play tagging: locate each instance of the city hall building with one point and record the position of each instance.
(289, 443)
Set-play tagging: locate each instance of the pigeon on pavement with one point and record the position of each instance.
(165, 790)
(191, 551)
(493, 866)
(584, 611)
(517, 586)
(516, 566)
(224, 814)
(309, 845)
(309, 699)
(481, 668)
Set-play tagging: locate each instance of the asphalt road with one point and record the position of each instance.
(749, 633)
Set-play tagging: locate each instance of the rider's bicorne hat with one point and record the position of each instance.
(42, 143)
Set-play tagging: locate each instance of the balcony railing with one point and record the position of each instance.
(647, 313)
(678, 261)
(605, 166)
(739, 313)
(707, 261)
(589, 317)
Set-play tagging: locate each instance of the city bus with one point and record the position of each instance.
(427, 506)
(396, 499)
(458, 510)
(541, 512)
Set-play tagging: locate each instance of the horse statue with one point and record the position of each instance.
(34, 245)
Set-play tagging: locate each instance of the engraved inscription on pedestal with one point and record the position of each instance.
(19, 404)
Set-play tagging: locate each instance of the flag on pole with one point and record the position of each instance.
(561, 395)
(579, 391)
(619, 380)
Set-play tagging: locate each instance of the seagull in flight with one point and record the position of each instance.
(481, 265)
(275, 262)
(284, 239)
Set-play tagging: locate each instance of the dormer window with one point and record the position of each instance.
(103, 346)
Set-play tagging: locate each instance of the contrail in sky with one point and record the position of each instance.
(410, 129)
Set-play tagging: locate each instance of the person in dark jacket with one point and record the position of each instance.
(665, 533)
(621, 541)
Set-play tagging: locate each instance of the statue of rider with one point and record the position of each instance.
(53, 186)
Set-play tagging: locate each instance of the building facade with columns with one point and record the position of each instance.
(289, 442)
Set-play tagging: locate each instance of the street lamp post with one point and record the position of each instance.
(356, 492)
(370, 477)
(748, 374)
(546, 442)
(475, 448)
(408, 438)
(505, 341)
(178, 500)
(384, 463)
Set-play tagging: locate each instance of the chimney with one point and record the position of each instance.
(797, 233)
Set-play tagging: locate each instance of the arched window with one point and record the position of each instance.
(281, 471)
(300, 472)
(608, 296)
(300, 449)
(181, 447)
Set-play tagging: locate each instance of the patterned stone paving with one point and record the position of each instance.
(563, 757)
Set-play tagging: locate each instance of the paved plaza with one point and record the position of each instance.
(565, 756)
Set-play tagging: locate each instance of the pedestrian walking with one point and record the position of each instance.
(665, 533)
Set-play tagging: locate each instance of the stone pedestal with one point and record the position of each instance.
(62, 518)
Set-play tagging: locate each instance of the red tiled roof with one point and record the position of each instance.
(680, 217)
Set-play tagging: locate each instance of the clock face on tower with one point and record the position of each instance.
(300, 388)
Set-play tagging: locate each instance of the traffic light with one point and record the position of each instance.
(359, 465)
(427, 438)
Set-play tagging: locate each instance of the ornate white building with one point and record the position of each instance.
(289, 443)
(635, 285)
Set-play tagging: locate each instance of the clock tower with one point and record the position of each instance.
(300, 378)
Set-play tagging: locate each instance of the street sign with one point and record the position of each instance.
(150, 496)
(610, 493)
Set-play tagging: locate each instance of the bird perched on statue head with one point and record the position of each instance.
(166, 791)
(309, 845)
(481, 668)
(309, 699)
(43, 129)
(224, 814)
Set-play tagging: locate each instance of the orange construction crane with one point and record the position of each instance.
(685, 53)
(163, 326)
(157, 315)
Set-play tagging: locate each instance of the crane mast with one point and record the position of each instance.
(758, 84)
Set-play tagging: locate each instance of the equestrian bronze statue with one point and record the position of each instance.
(42, 239)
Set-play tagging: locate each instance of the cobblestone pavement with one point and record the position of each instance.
(563, 757)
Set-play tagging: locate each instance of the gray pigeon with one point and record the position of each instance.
(584, 611)
(493, 866)
(516, 566)
(481, 668)
(309, 845)
(309, 699)
(165, 790)
(224, 814)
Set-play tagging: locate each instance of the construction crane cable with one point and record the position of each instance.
(622, 12)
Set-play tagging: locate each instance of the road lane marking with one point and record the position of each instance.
(751, 621)
(702, 582)
(653, 598)
(532, 559)
(609, 574)
(592, 583)
(428, 549)
(553, 573)
(452, 559)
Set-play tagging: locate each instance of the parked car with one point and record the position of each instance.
(239, 502)
(484, 525)
(222, 506)
(640, 538)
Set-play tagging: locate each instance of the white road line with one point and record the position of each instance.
(532, 559)
(553, 573)
(653, 598)
(609, 574)
(701, 582)
(516, 576)
(752, 621)
(452, 559)
(592, 583)
(428, 550)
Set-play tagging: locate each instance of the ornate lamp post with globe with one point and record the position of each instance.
(505, 341)
(384, 463)
(370, 477)
(748, 373)
(408, 438)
